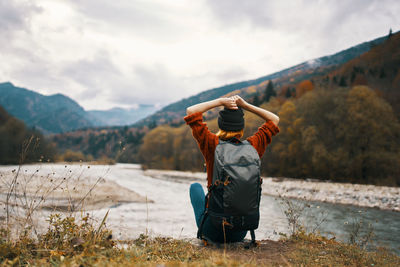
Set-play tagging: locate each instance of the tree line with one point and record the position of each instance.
(20, 144)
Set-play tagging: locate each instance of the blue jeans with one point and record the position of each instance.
(197, 197)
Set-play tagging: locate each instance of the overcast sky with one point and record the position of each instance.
(107, 53)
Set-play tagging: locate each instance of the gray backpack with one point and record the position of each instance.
(233, 199)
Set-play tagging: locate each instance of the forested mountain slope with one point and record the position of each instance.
(50, 114)
(58, 113)
(174, 112)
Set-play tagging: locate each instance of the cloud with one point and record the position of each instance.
(234, 12)
(294, 13)
(306, 17)
(156, 84)
(15, 21)
(149, 84)
(145, 19)
(121, 53)
(16, 41)
(34, 71)
(231, 74)
(16, 15)
(319, 27)
(95, 75)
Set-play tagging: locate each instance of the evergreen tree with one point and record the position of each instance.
(353, 76)
(269, 91)
(343, 82)
(382, 74)
(288, 93)
(293, 92)
(255, 101)
(152, 124)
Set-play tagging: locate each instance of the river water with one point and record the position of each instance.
(169, 213)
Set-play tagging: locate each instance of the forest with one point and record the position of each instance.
(347, 135)
(19, 144)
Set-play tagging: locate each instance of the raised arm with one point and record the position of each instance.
(265, 114)
(228, 102)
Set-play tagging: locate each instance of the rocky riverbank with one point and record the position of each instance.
(381, 197)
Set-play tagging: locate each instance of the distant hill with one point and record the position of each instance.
(120, 116)
(58, 113)
(174, 112)
(50, 114)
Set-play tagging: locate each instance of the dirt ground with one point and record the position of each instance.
(267, 252)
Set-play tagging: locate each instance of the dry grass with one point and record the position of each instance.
(314, 250)
(70, 244)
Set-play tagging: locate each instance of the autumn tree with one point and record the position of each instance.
(371, 136)
(287, 150)
(304, 87)
(360, 79)
(157, 148)
(166, 147)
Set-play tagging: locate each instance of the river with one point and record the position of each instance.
(171, 213)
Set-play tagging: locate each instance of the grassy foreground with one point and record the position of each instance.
(68, 243)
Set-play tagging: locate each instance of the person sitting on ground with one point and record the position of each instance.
(231, 125)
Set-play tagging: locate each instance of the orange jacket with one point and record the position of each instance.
(208, 141)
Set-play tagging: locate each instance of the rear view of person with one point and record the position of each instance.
(231, 206)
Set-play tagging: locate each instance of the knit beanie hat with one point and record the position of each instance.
(231, 120)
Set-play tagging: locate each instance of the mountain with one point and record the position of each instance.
(50, 114)
(120, 116)
(379, 68)
(174, 112)
(58, 113)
